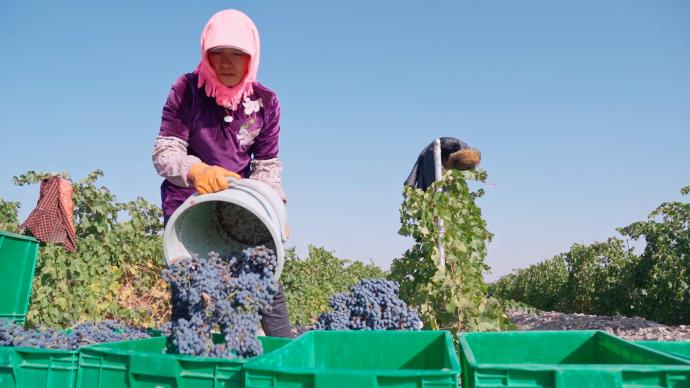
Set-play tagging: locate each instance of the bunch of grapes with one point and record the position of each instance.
(370, 305)
(221, 293)
(85, 333)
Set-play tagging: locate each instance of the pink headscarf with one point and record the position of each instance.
(231, 28)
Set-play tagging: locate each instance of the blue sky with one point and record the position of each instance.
(581, 109)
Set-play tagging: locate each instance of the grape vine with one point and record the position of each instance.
(451, 296)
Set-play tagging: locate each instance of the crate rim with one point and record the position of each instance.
(26, 349)
(683, 341)
(368, 371)
(104, 347)
(19, 236)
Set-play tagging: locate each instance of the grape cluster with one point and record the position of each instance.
(166, 329)
(221, 293)
(370, 305)
(85, 333)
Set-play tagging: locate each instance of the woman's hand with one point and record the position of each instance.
(210, 179)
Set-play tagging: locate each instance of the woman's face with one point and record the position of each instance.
(230, 64)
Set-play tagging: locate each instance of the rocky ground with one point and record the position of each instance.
(635, 329)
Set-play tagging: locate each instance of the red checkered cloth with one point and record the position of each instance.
(51, 220)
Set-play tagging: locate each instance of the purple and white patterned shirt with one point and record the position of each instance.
(193, 129)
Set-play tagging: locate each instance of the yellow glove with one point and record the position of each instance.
(210, 179)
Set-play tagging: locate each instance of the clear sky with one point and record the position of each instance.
(581, 109)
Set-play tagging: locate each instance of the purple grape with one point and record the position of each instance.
(221, 292)
(370, 305)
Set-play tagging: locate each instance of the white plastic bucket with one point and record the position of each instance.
(248, 214)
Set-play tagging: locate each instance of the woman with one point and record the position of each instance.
(219, 122)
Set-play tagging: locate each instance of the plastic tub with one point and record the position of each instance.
(565, 359)
(325, 359)
(18, 256)
(248, 214)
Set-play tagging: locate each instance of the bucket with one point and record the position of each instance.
(247, 214)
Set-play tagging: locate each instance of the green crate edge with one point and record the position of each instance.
(668, 347)
(101, 350)
(452, 373)
(19, 236)
(471, 364)
(9, 355)
(20, 317)
(103, 347)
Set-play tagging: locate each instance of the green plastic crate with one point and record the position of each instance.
(565, 359)
(17, 265)
(675, 348)
(325, 359)
(38, 368)
(144, 364)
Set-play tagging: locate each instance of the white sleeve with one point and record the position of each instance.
(269, 171)
(171, 160)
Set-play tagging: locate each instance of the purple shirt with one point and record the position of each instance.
(192, 116)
